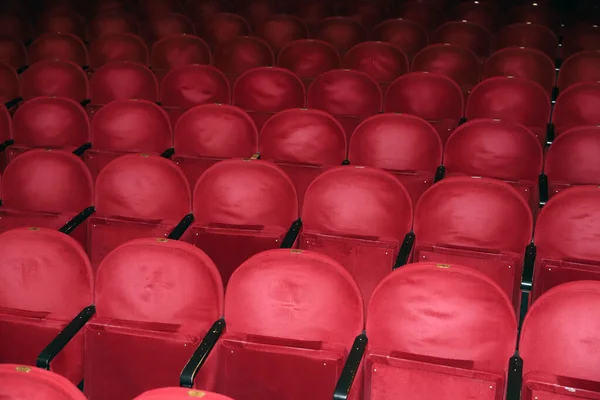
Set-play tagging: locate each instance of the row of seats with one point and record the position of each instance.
(293, 318)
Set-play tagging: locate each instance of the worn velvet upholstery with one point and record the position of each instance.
(241, 54)
(308, 58)
(178, 50)
(578, 105)
(9, 83)
(223, 27)
(342, 33)
(118, 47)
(22, 382)
(113, 22)
(580, 67)
(58, 46)
(166, 24)
(177, 393)
(524, 34)
(408, 36)
(466, 34)
(14, 52)
(55, 79)
(280, 30)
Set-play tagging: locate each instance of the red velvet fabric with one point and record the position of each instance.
(291, 318)
(465, 34)
(342, 33)
(9, 83)
(528, 35)
(482, 223)
(579, 68)
(242, 53)
(280, 30)
(155, 300)
(175, 393)
(560, 354)
(433, 97)
(118, 47)
(5, 125)
(32, 311)
(246, 205)
(62, 21)
(122, 80)
(308, 58)
(58, 46)
(358, 216)
(179, 50)
(438, 331)
(382, 61)
(577, 106)
(565, 238)
(571, 160)
(403, 144)
(581, 37)
(55, 79)
(21, 382)
(111, 23)
(165, 25)
(427, 14)
(513, 99)
(535, 13)
(407, 35)
(12, 52)
(223, 27)
(17, 26)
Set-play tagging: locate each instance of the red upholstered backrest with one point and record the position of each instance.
(118, 47)
(474, 213)
(241, 54)
(44, 270)
(382, 61)
(9, 83)
(427, 14)
(578, 105)
(294, 294)
(465, 34)
(223, 27)
(54, 78)
(456, 62)
(357, 201)
(342, 32)
(580, 67)
(191, 85)
(47, 181)
(131, 126)
(123, 80)
(175, 393)
(21, 382)
(443, 311)
(528, 35)
(164, 25)
(5, 124)
(268, 89)
(409, 36)
(142, 186)
(113, 22)
(308, 58)
(281, 30)
(12, 51)
(178, 50)
(58, 46)
(481, 13)
(159, 280)
(559, 334)
(215, 130)
(62, 21)
(245, 192)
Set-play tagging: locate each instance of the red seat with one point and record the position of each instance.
(209, 133)
(62, 22)
(520, 62)
(16, 26)
(482, 223)
(10, 85)
(12, 52)
(21, 382)
(382, 61)
(580, 67)
(582, 37)
(295, 347)
(241, 54)
(264, 91)
(303, 142)
(136, 196)
(201, 12)
(55, 78)
(258, 11)
(572, 159)
(155, 300)
(127, 126)
(58, 46)
(566, 239)
(242, 207)
(350, 96)
(223, 27)
(457, 63)
(497, 149)
(308, 58)
(113, 23)
(407, 35)
(403, 144)
(312, 12)
(118, 47)
(558, 357)
(359, 216)
(175, 393)
(427, 14)
(464, 34)
(528, 35)
(281, 30)
(342, 33)
(512, 99)
(165, 25)
(368, 13)
(433, 97)
(579, 105)
(478, 12)
(438, 331)
(537, 13)
(178, 50)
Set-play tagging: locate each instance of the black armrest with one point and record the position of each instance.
(527, 280)
(405, 250)
(439, 173)
(168, 153)
(11, 103)
(515, 377)
(64, 337)
(82, 149)
(558, 62)
(158, 103)
(85, 102)
(543, 186)
(550, 133)
(291, 235)
(22, 69)
(77, 220)
(555, 92)
(463, 120)
(6, 143)
(344, 383)
(189, 372)
(85, 67)
(181, 227)
(346, 162)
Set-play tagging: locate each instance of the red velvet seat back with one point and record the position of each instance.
(382, 61)
(62, 21)
(308, 58)
(281, 30)
(292, 317)
(223, 27)
(178, 50)
(111, 23)
(56, 79)
(118, 47)
(12, 24)
(577, 106)
(166, 25)
(9, 83)
(408, 36)
(342, 33)
(537, 13)
(528, 35)
(403, 144)
(45, 281)
(12, 52)
(464, 34)
(21, 382)
(242, 207)
(439, 330)
(155, 300)
(581, 37)
(5, 124)
(581, 67)
(241, 54)
(427, 14)
(122, 80)
(58, 46)
(174, 393)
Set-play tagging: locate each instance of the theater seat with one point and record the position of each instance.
(223, 27)
(178, 50)
(342, 33)
(23, 382)
(55, 79)
(58, 46)
(113, 22)
(175, 393)
(280, 30)
(308, 58)
(241, 54)
(407, 35)
(577, 106)
(580, 67)
(118, 47)
(12, 52)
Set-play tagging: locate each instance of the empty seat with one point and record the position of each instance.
(176, 51)
(427, 14)
(438, 331)
(209, 133)
(558, 357)
(281, 30)
(223, 27)
(20, 382)
(579, 105)
(113, 23)
(155, 300)
(118, 47)
(368, 13)
(350, 96)
(478, 222)
(58, 46)
(127, 126)
(581, 37)
(308, 58)
(258, 11)
(12, 52)
(521, 62)
(264, 91)
(528, 35)
(513, 99)
(15, 26)
(572, 159)
(359, 216)
(136, 196)
(403, 144)
(566, 239)
(202, 12)
(537, 13)
(497, 149)
(407, 35)
(242, 207)
(240, 54)
(303, 142)
(57, 21)
(54, 78)
(581, 67)
(10, 85)
(295, 347)
(481, 13)
(342, 33)
(152, 9)
(464, 34)
(433, 97)
(174, 393)
(165, 25)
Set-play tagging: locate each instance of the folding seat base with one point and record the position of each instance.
(551, 273)
(549, 387)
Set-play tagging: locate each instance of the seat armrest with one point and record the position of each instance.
(344, 383)
(291, 235)
(189, 372)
